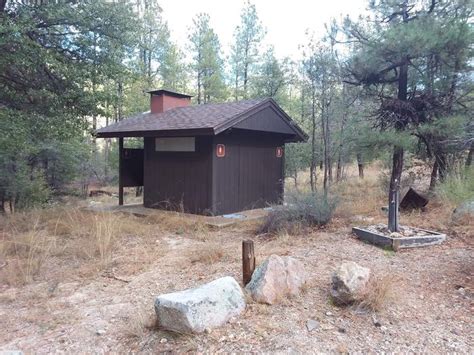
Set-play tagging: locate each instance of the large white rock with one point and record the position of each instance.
(349, 282)
(277, 277)
(200, 308)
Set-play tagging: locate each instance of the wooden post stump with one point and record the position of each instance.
(248, 260)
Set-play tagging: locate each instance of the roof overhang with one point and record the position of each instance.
(160, 133)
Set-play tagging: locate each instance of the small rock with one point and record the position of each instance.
(163, 340)
(396, 235)
(328, 313)
(277, 277)
(195, 310)
(376, 321)
(100, 332)
(349, 282)
(312, 324)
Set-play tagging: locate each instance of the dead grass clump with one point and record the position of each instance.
(209, 253)
(139, 324)
(179, 224)
(379, 292)
(26, 253)
(277, 222)
(136, 226)
(29, 240)
(359, 197)
(86, 234)
(303, 210)
(104, 236)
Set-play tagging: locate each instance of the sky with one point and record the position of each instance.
(286, 21)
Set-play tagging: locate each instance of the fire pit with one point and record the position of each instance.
(406, 237)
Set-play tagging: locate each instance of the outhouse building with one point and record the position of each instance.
(205, 159)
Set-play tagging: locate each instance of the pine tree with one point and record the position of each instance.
(207, 62)
(401, 40)
(153, 41)
(56, 59)
(244, 56)
(272, 77)
(173, 70)
(321, 73)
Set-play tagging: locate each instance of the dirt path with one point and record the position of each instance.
(432, 311)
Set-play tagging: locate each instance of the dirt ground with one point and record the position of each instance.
(93, 303)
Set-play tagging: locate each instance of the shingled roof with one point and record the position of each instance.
(210, 119)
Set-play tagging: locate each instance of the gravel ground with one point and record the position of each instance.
(431, 309)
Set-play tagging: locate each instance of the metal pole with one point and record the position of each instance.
(393, 215)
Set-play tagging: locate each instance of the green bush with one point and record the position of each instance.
(458, 188)
(302, 210)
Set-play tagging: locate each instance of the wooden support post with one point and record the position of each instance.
(248, 260)
(120, 171)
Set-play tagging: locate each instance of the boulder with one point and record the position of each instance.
(464, 209)
(277, 277)
(202, 308)
(349, 282)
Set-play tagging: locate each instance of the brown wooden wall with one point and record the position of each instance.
(175, 179)
(250, 175)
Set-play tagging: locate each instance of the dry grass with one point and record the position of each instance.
(139, 324)
(356, 197)
(360, 196)
(24, 247)
(179, 224)
(104, 236)
(25, 254)
(60, 241)
(58, 238)
(208, 253)
(379, 293)
(303, 210)
(86, 234)
(71, 241)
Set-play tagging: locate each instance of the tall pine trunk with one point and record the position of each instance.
(312, 168)
(434, 175)
(397, 158)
